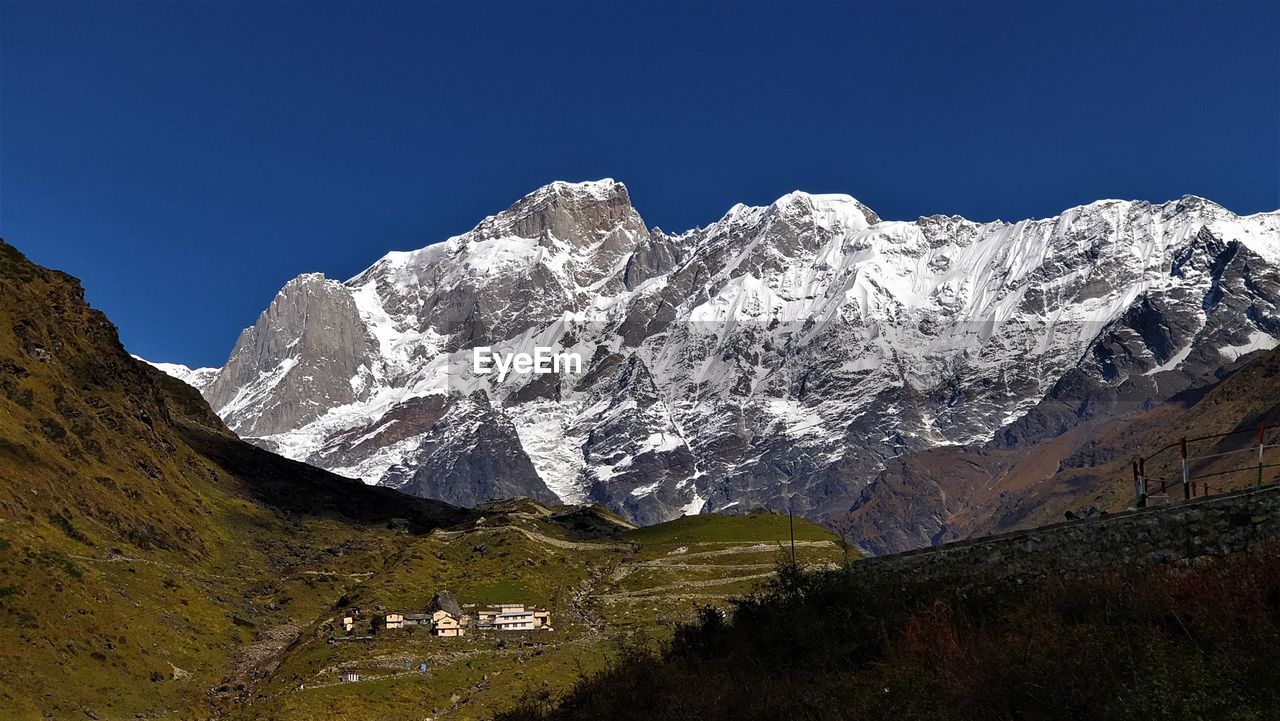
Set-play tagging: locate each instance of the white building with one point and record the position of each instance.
(513, 617)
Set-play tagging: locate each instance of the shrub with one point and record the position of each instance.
(1154, 643)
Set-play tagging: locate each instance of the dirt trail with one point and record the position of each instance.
(674, 560)
(669, 597)
(704, 566)
(540, 538)
(660, 591)
(678, 561)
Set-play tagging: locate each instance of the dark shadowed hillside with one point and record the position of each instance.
(1162, 643)
(145, 551)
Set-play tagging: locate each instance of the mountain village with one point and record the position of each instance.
(445, 618)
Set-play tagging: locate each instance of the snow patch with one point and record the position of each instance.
(1257, 341)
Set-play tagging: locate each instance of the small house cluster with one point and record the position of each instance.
(447, 619)
(441, 622)
(503, 617)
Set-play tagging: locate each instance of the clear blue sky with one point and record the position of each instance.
(185, 159)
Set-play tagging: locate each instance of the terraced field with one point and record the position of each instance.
(680, 566)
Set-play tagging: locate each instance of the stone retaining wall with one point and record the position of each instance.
(1201, 527)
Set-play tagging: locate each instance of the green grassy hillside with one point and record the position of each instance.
(152, 565)
(758, 527)
(147, 556)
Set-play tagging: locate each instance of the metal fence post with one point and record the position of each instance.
(1186, 471)
(1142, 483)
(1262, 447)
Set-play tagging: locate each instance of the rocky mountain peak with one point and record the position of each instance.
(305, 280)
(830, 210)
(577, 213)
(779, 356)
(1195, 203)
(308, 350)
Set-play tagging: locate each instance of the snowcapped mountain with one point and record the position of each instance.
(778, 356)
(198, 378)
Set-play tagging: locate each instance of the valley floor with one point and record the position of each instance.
(607, 592)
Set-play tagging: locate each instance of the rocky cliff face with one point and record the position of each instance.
(308, 352)
(781, 356)
(497, 468)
